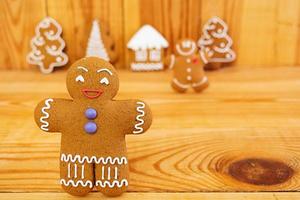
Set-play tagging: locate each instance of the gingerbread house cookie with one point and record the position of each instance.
(147, 47)
(215, 44)
(187, 67)
(93, 127)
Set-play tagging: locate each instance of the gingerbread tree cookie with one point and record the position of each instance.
(101, 43)
(187, 67)
(47, 46)
(93, 127)
(215, 43)
(95, 43)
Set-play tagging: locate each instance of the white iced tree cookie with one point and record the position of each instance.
(215, 44)
(95, 43)
(47, 46)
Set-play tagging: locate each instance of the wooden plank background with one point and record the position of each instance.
(265, 33)
(194, 140)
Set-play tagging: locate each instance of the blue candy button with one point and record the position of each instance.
(90, 127)
(91, 113)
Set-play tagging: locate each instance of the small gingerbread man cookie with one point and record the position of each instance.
(93, 127)
(187, 67)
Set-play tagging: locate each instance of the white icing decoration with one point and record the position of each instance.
(204, 80)
(102, 173)
(181, 85)
(112, 184)
(95, 44)
(116, 173)
(75, 184)
(82, 171)
(206, 40)
(57, 51)
(146, 66)
(210, 53)
(104, 81)
(58, 59)
(203, 57)
(75, 170)
(69, 170)
(105, 70)
(147, 37)
(108, 178)
(44, 123)
(172, 61)
(79, 78)
(108, 173)
(83, 68)
(140, 109)
(38, 40)
(187, 53)
(155, 55)
(141, 55)
(93, 159)
(186, 86)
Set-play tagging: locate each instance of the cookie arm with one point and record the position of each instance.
(47, 114)
(139, 117)
(170, 61)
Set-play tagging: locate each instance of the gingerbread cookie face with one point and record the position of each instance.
(188, 68)
(215, 43)
(95, 79)
(186, 47)
(93, 126)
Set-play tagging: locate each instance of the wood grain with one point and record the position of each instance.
(76, 19)
(17, 21)
(194, 142)
(151, 196)
(265, 33)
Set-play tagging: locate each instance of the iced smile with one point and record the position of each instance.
(91, 93)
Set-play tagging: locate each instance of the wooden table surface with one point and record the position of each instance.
(241, 135)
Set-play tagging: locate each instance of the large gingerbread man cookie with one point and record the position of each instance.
(93, 127)
(187, 67)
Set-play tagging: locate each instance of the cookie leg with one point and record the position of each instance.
(213, 66)
(200, 86)
(77, 178)
(111, 179)
(178, 87)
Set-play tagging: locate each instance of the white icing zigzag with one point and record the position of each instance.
(203, 80)
(181, 85)
(102, 184)
(139, 118)
(112, 184)
(93, 159)
(44, 123)
(146, 66)
(75, 184)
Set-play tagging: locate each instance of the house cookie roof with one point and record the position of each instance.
(147, 37)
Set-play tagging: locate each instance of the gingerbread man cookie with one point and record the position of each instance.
(93, 127)
(187, 67)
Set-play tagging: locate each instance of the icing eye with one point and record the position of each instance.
(104, 81)
(79, 78)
